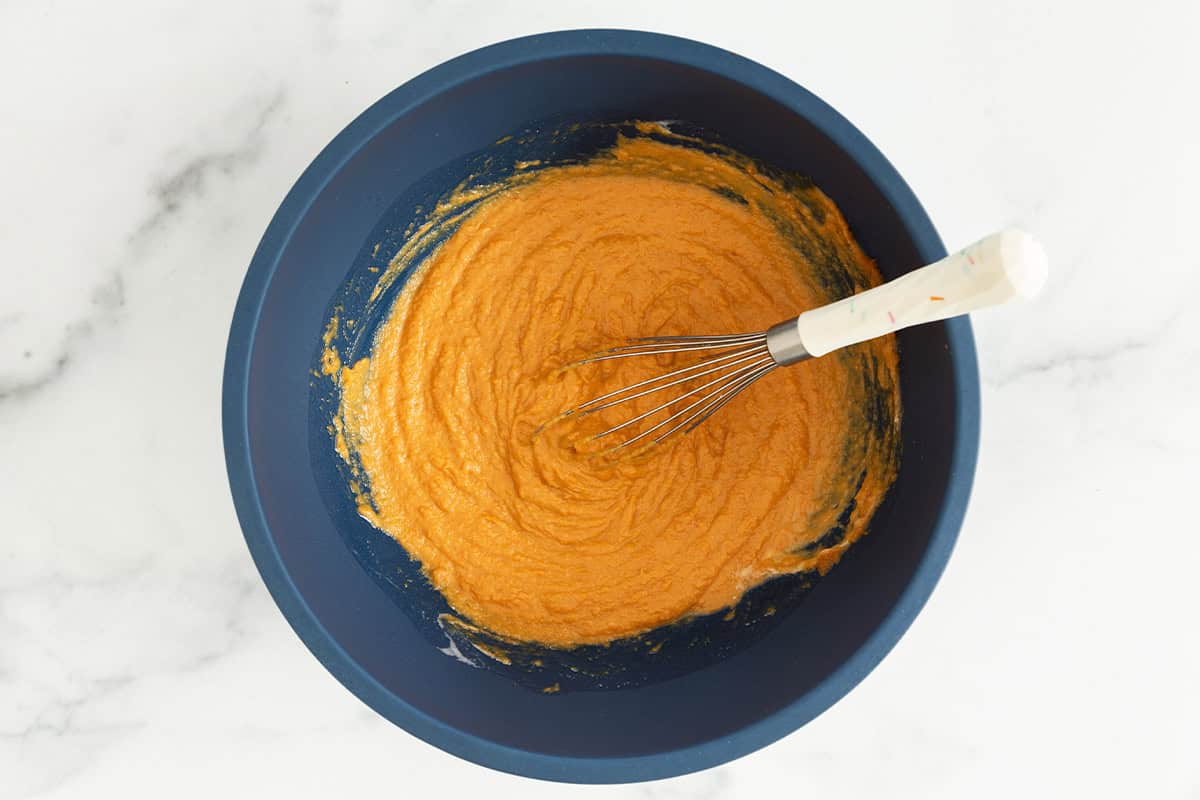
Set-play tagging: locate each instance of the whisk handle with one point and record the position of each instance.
(1005, 266)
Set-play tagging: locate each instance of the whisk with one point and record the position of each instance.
(1004, 266)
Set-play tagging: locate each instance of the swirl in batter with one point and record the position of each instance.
(521, 532)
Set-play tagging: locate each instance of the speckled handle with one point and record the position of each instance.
(1004, 266)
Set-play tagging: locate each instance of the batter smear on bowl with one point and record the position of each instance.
(517, 524)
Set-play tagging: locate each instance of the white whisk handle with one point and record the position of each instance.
(1005, 266)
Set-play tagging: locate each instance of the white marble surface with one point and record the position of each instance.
(145, 145)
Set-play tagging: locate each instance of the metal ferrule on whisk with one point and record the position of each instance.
(784, 344)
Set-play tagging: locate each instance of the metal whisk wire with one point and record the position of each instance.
(735, 361)
(1005, 266)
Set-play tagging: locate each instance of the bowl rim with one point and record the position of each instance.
(503, 55)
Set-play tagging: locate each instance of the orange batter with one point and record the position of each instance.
(522, 534)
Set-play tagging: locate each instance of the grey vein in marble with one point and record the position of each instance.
(173, 195)
(107, 298)
(189, 182)
(1095, 357)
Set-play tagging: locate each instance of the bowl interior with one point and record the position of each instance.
(407, 146)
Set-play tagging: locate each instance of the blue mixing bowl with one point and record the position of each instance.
(359, 603)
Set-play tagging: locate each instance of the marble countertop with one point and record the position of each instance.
(143, 148)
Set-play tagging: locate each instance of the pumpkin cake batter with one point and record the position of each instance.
(523, 532)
